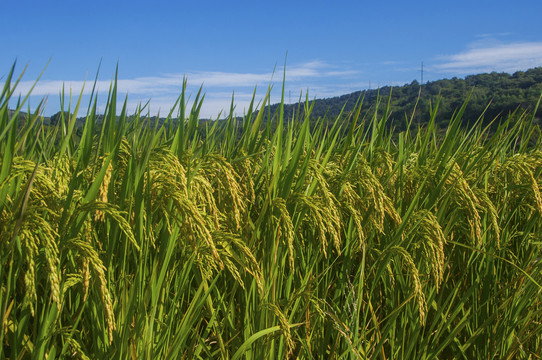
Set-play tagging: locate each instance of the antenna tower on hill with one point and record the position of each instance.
(422, 74)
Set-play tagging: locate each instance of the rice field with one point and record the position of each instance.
(255, 239)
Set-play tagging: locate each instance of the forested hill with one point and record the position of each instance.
(502, 91)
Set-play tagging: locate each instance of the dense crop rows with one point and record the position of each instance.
(244, 239)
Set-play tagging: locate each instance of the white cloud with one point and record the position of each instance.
(496, 57)
(162, 91)
(173, 82)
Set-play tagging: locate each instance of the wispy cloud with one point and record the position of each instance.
(391, 62)
(163, 90)
(172, 82)
(495, 57)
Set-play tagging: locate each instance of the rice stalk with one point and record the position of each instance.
(408, 263)
(428, 243)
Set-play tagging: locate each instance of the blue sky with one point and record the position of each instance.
(333, 47)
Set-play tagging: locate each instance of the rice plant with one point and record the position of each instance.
(267, 236)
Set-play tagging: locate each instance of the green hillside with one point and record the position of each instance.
(504, 93)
